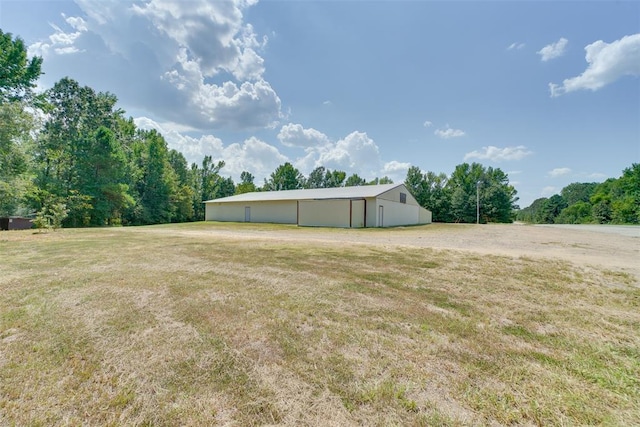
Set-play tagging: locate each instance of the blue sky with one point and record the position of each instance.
(549, 92)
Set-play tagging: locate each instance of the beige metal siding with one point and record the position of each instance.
(394, 196)
(281, 212)
(425, 216)
(357, 213)
(371, 214)
(223, 212)
(324, 213)
(396, 214)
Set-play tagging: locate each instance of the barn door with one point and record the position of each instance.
(247, 214)
(357, 213)
(380, 216)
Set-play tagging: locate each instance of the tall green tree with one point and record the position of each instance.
(473, 186)
(532, 212)
(18, 74)
(210, 174)
(316, 178)
(618, 200)
(334, 178)
(578, 209)
(380, 181)
(183, 200)
(211, 184)
(431, 192)
(577, 213)
(15, 143)
(158, 186)
(626, 206)
(180, 166)
(602, 212)
(103, 179)
(285, 177)
(578, 192)
(465, 183)
(246, 184)
(214, 186)
(321, 177)
(354, 180)
(67, 153)
(498, 197)
(226, 187)
(416, 184)
(551, 209)
(438, 197)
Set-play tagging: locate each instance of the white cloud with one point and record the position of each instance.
(597, 175)
(515, 46)
(356, 153)
(559, 172)
(607, 63)
(193, 62)
(427, 124)
(66, 50)
(76, 22)
(395, 167)
(395, 170)
(253, 154)
(294, 135)
(496, 154)
(193, 149)
(449, 133)
(248, 106)
(213, 32)
(553, 50)
(250, 66)
(60, 42)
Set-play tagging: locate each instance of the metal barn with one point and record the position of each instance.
(348, 207)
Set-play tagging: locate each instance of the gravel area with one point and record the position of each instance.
(610, 247)
(623, 230)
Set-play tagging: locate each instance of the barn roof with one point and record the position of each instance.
(362, 191)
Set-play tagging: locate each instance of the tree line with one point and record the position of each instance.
(70, 157)
(614, 201)
(471, 193)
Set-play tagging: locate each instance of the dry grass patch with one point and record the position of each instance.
(156, 326)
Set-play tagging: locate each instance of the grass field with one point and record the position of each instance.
(156, 326)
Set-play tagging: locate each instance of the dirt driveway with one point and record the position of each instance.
(587, 247)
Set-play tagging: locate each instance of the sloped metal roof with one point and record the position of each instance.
(362, 191)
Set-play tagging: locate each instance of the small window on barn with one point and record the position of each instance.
(403, 197)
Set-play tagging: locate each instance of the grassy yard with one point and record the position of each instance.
(155, 326)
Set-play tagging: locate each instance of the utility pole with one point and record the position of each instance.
(478, 202)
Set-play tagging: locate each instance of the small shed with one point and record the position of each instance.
(385, 205)
(15, 223)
